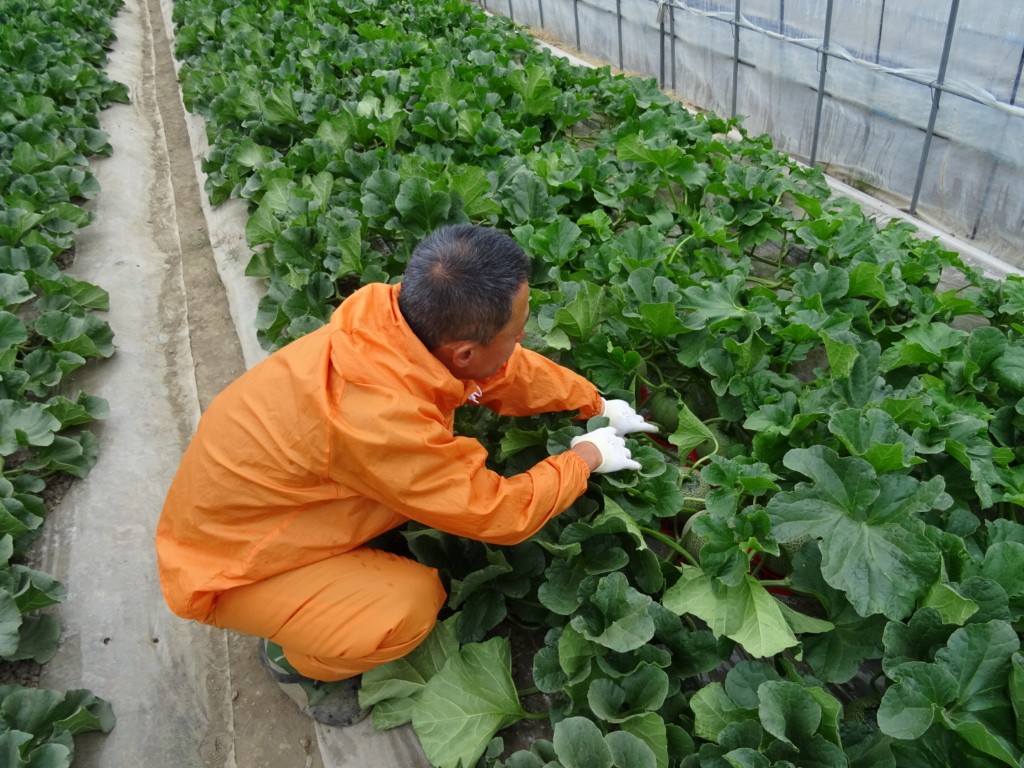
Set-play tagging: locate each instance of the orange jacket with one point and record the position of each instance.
(342, 435)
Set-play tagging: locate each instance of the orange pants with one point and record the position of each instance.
(342, 616)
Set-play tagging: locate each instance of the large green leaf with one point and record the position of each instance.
(39, 638)
(14, 290)
(10, 624)
(643, 689)
(24, 424)
(579, 743)
(835, 656)
(421, 207)
(16, 222)
(923, 345)
(12, 331)
(746, 613)
(874, 436)
(393, 688)
(910, 706)
(690, 433)
(533, 84)
(466, 703)
(714, 711)
(581, 316)
(964, 690)
(87, 336)
(630, 751)
(796, 714)
(45, 713)
(1009, 368)
(75, 455)
(874, 547)
(715, 304)
(620, 619)
(473, 186)
(650, 727)
(525, 198)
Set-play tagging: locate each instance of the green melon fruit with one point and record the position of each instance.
(790, 547)
(664, 410)
(781, 563)
(725, 443)
(692, 542)
(695, 488)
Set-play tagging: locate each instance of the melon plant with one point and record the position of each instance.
(873, 411)
(52, 86)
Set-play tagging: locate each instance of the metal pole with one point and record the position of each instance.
(618, 19)
(821, 80)
(1016, 80)
(881, 24)
(782, 17)
(736, 58)
(540, 10)
(510, 16)
(661, 43)
(576, 17)
(954, 7)
(672, 47)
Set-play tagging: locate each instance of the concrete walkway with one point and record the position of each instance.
(184, 695)
(182, 310)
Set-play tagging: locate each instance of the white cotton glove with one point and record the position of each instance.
(612, 447)
(624, 419)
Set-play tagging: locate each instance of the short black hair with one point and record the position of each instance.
(460, 283)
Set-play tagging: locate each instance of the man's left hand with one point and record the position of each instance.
(624, 419)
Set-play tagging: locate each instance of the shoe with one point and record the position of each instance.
(334, 704)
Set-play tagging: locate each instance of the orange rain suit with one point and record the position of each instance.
(338, 437)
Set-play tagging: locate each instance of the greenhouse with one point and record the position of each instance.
(790, 236)
(916, 103)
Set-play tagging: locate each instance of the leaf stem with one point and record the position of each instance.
(675, 251)
(669, 542)
(765, 281)
(535, 715)
(672, 193)
(790, 586)
(706, 458)
(650, 439)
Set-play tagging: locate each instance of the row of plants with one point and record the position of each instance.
(819, 563)
(52, 87)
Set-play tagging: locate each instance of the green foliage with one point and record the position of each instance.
(456, 698)
(847, 431)
(37, 725)
(52, 86)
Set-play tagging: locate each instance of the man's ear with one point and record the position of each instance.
(456, 355)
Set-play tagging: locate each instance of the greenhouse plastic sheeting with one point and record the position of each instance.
(959, 167)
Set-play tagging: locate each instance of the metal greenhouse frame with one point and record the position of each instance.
(897, 58)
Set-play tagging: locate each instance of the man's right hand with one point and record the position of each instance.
(614, 455)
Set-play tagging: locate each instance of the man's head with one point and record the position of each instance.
(465, 295)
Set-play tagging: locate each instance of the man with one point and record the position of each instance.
(346, 434)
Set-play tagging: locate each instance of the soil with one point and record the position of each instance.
(524, 644)
(27, 672)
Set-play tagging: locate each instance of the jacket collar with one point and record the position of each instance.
(371, 342)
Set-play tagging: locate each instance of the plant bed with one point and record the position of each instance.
(839, 392)
(51, 88)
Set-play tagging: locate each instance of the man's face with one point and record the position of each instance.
(489, 358)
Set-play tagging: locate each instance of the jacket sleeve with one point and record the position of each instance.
(400, 453)
(530, 383)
